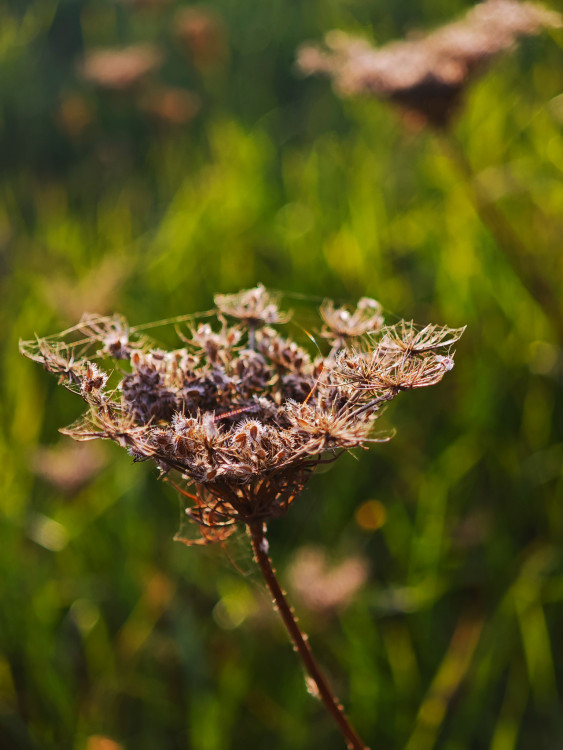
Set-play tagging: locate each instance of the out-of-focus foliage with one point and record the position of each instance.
(216, 169)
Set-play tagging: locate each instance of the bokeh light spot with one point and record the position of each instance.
(371, 515)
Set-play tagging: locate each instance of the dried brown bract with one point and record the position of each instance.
(426, 75)
(384, 373)
(216, 346)
(254, 307)
(284, 353)
(406, 337)
(112, 332)
(341, 324)
(58, 358)
(239, 416)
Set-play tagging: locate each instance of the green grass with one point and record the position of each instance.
(110, 628)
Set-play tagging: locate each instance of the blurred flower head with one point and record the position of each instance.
(120, 69)
(69, 467)
(426, 75)
(239, 413)
(202, 31)
(322, 587)
(170, 105)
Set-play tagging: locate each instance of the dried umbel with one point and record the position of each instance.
(239, 417)
(240, 412)
(426, 75)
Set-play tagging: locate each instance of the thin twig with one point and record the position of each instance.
(299, 640)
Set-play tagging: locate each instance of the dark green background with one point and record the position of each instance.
(108, 627)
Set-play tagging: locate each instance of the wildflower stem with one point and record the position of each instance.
(299, 639)
(252, 336)
(514, 250)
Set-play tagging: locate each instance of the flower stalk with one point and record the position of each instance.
(300, 640)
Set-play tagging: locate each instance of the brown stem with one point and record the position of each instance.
(515, 251)
(299, 639)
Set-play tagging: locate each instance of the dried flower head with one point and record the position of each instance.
(254, 307)
(342, 324)
(384, 374)
(240, 413)
(426, 75)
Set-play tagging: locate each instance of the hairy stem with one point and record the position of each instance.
(517, 254)
(299, 639)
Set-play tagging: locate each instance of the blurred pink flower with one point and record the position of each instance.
(120, 69)
(69, 467)
(322, 587)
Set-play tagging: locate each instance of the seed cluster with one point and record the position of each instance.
(240, 412)
(427, 74)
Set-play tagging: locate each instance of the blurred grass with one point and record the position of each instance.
(108, 628)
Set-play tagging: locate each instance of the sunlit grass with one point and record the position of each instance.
(108, 628)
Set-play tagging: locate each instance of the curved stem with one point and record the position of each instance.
(299, 639)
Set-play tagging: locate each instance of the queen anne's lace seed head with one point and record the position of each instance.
(240, 412)
(426, 75)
